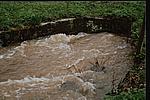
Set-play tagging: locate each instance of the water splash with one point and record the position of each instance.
(76, 62)
(50, 58)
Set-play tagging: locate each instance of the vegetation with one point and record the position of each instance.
(131, 95)
(21, 14)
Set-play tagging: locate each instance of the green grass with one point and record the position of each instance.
(131, 95)
(23, 13)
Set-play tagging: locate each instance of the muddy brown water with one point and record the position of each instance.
(61, 67)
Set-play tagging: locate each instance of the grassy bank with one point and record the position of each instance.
(21, 13)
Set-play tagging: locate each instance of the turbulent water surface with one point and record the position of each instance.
(61, 67)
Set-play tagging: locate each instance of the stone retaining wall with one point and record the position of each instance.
(118, 25)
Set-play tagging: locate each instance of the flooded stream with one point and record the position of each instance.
(64, 67)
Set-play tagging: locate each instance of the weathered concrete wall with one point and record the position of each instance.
(118, 25)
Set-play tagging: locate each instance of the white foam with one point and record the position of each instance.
(105, 54)
(2, 56)
(6, 94)
(122, 46)
(41, 43)
(110, 35)
(27, 79)
(81, 34)
(63, 38)
(18, 92)
(76, 62)
(58, 41)
(89, 86)
(64, 46)
(21, 48)
(72, 78)
(82, 98)
(31, 80)
(92, 50)
(9, 55)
